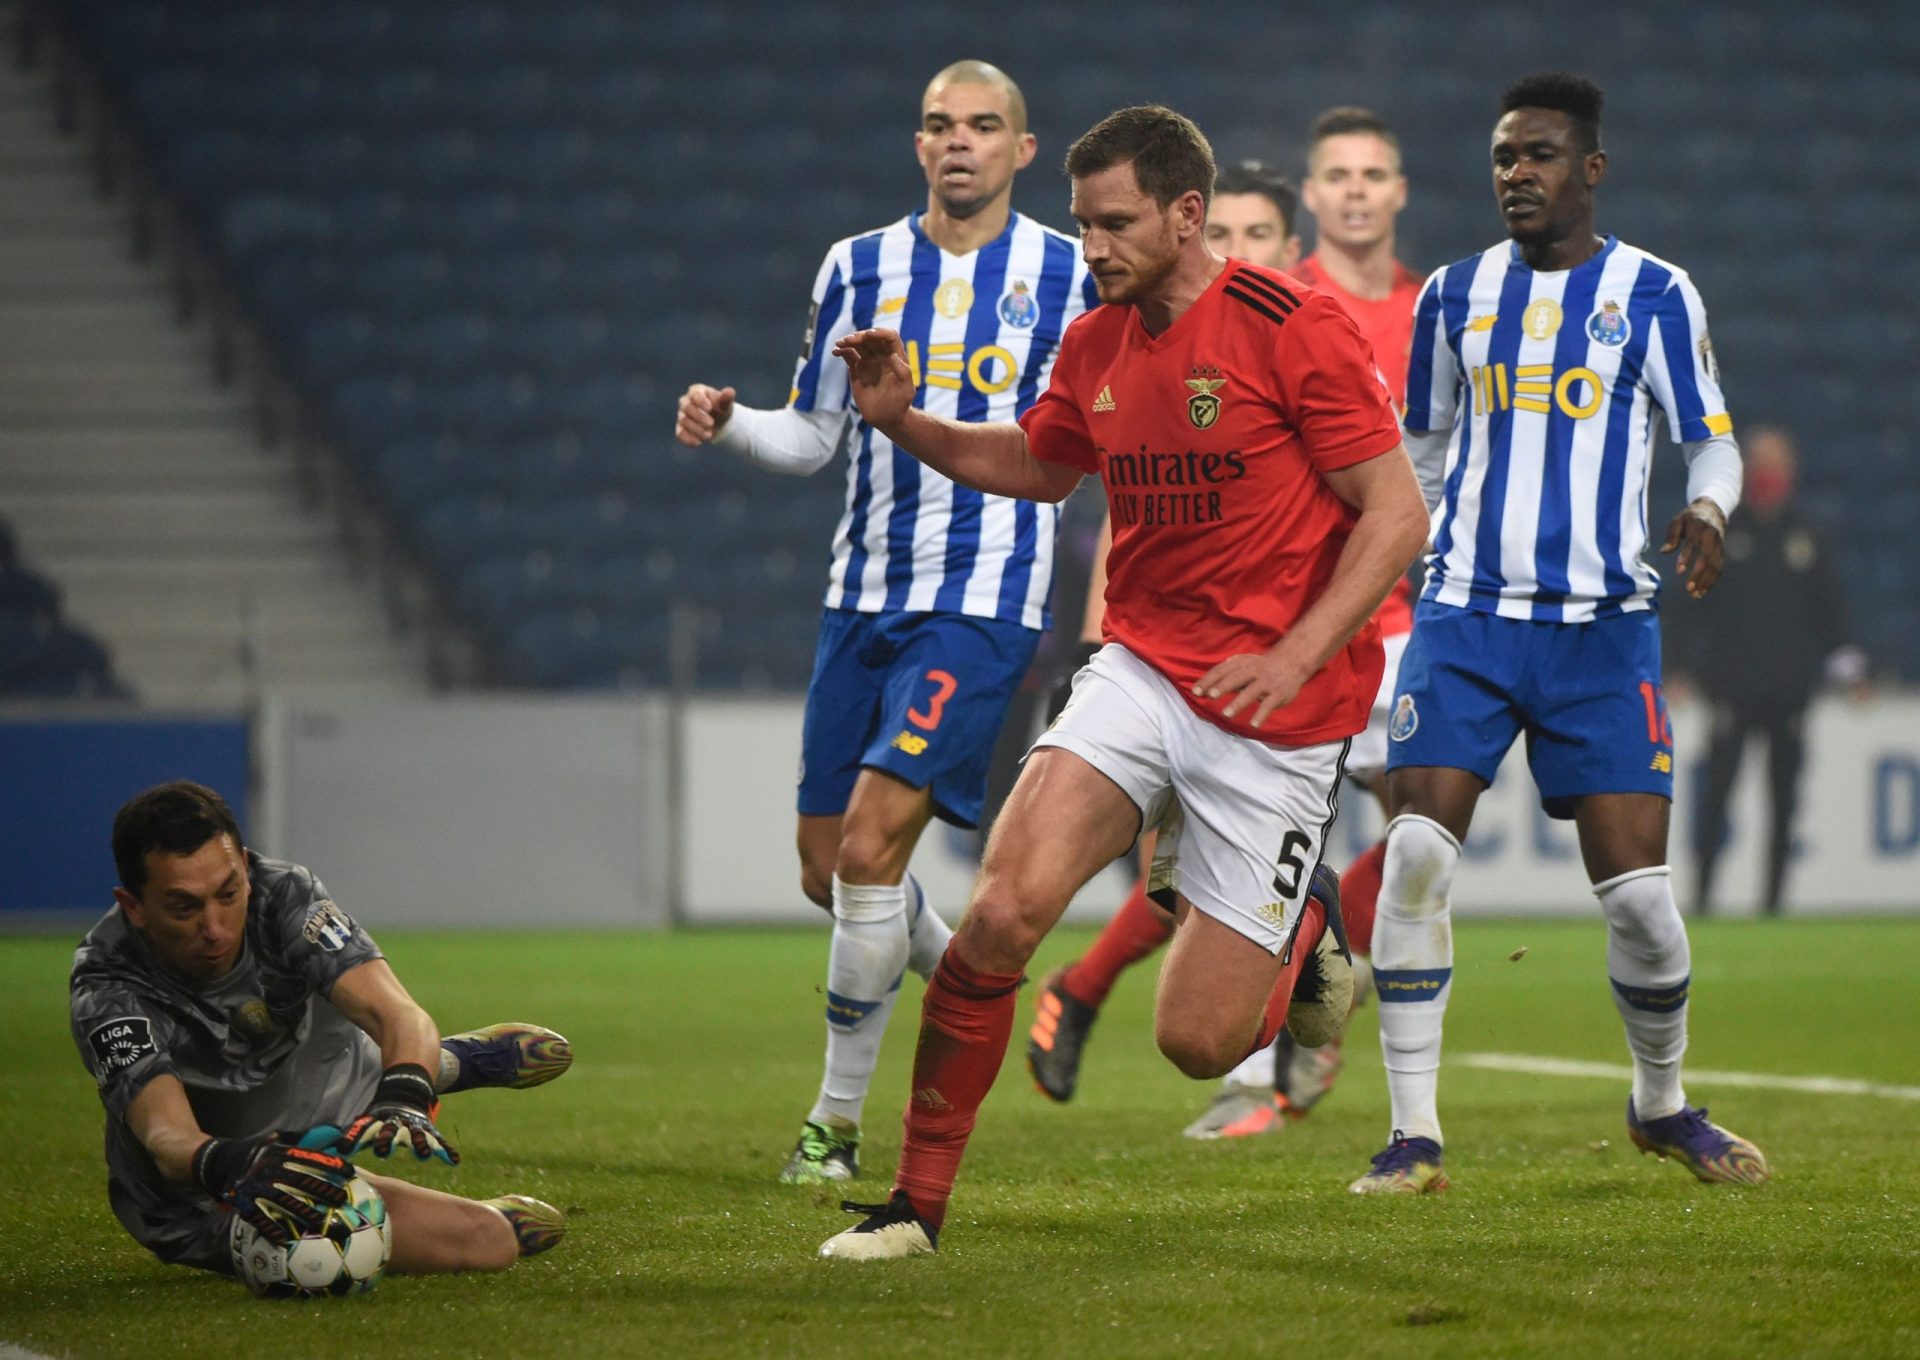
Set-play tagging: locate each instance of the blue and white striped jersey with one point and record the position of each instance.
(981, 331)
(1548, 384)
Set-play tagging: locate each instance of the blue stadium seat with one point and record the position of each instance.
(492, 241)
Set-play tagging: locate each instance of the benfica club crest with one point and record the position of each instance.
(1203, 408)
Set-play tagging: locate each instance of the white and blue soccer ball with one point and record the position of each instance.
(347, 1255)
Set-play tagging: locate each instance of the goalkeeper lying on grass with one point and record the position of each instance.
(224, 1005)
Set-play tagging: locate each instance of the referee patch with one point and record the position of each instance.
(120, 1043)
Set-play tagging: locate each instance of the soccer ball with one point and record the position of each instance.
(348, 1254)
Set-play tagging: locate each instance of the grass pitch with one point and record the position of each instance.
(1090, 1229)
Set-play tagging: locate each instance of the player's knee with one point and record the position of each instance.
(1418, 872)
(1642, 917)
(870, 854)
(1198, 1050)
(1001, 934)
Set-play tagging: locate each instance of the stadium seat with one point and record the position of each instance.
(482, 236)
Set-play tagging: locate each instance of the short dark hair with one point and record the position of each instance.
(1169, 154)
(175, 819)
(1346, 121)
(1257, 177)
(1576, 96)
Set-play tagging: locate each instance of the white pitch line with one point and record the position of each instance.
(1567, 1067)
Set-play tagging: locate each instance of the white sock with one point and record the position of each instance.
(864, 968)
(1413, 968)
(1256, 1069)
(927, 934)
(1649, 963)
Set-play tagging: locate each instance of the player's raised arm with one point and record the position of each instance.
(990, 458)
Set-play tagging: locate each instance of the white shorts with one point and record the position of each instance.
(1369, 754)
(1241, 823)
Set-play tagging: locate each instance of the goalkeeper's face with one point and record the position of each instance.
(193, 909)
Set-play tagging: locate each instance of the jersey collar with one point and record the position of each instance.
(1153, 344)
(919, 233)
(1594, 261)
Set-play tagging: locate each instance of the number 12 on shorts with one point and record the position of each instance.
(1659, 726)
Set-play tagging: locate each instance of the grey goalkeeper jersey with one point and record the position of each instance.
(260, 1049)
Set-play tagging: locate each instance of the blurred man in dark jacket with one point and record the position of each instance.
(1759, 647)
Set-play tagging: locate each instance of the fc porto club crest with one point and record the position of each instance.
(1203, 407)
(1406, 719)
(1609, 326)
(1017, 307)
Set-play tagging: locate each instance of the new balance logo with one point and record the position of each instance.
(1103, 402)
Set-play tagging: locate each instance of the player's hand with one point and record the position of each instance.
(878, 376)
(703, 410)
(1700, 533)
(403, 1104)
(279, 1187)
(1262, 681)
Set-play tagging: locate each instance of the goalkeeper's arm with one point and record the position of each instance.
(275, 1185)
(405, 1103)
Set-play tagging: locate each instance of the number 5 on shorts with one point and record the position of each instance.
(1286, 881)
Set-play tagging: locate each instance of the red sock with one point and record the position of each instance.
(965, 1021)
(1359, 891)
(1313, 924)
(1135, 931)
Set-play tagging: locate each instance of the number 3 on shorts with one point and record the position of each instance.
(943, 687)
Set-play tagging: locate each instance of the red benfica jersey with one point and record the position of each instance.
(1211, 439)
(1388, 326)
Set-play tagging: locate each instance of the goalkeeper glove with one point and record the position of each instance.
(403, 1102)
(281, 1189)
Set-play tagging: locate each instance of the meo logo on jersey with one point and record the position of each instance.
(988, 370)
(1534, 387)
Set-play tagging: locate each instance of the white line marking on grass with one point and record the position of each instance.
(9, 1351)
(1567, 1067)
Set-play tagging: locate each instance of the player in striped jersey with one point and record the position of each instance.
(937, 594)
(1536, 369)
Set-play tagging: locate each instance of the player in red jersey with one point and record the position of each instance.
(1355, 190)
(1251, 218)
(1262, 507)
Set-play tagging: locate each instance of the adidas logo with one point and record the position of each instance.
(929, 1099)
(1103, 402)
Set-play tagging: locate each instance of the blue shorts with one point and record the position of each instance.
(919, 695)
(1586, 694)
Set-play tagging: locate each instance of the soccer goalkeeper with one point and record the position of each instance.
(225, 1005)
